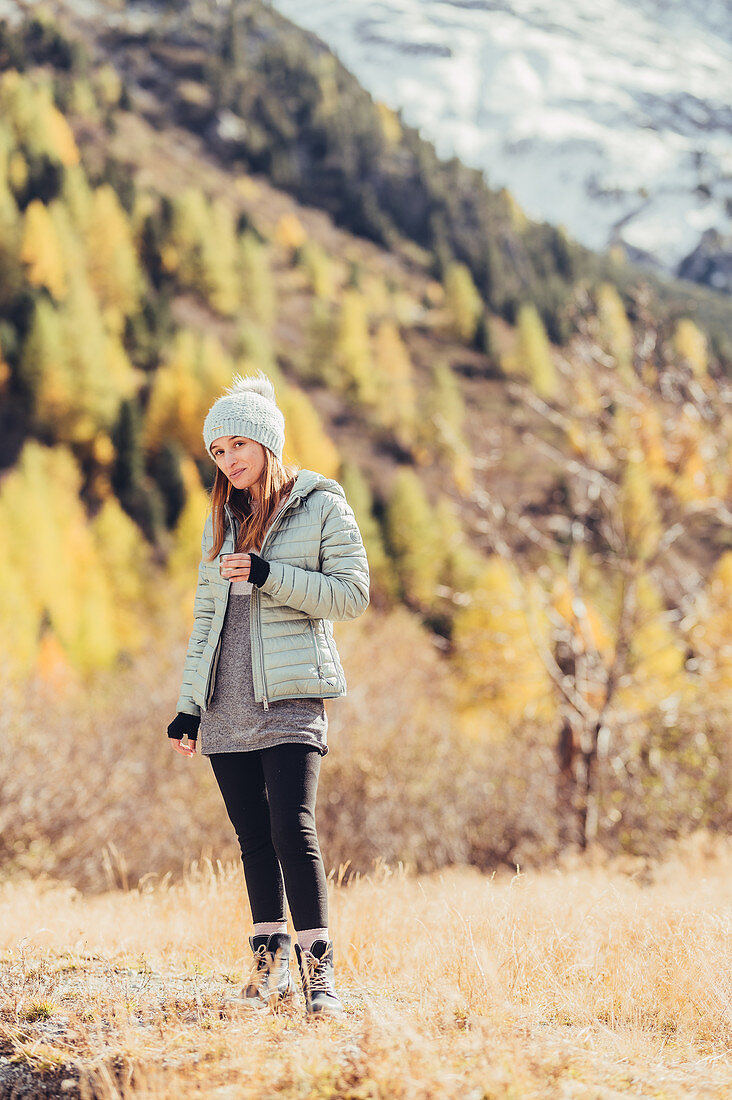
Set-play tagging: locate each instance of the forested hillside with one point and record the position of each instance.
(536, 440)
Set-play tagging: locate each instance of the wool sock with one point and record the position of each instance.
(266, 928)
(307, 938)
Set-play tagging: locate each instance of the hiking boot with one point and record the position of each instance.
(270, 980)
(318, 979)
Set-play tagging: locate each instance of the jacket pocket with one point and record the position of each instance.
(322, 629)
(316, 651)
(211, 682)
(340, 674)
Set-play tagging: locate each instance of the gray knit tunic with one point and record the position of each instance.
(234, 721)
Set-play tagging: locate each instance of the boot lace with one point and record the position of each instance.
(318, 976)
(260, 968)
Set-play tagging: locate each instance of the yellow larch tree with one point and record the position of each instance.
(497, 643)
(112, 264)
(414, 538)
(258, 292)
(77, 197)
(352, 352)
(195, 371)
(43, 359)
(693, 452)
(462, 566)
(376, 295)
(711, 633)
(318, 269)
(690, 345)
(181, 253)
(317, 361)
(107, 85)
(185, 552)
(76, 590)
(77, 383)
(13, 275)
(125, 560)
(20, 614)
(41, 251)
(289, 233)
(70, 240)
(17, 171)
(650, 434)
(360, 498)
(439, 430)
(580, 625)
(655, 665)
(391, 127)
(638, 508)
(99, 374)
(397, 401)
(585, 433)
(463, 302)
(583, 618)
(82, 101)
(614, 329)
(38, 124)
(4, 372)
(533, 352)
(306, 441)
(201, 249)
(219, 260)
(641, 433)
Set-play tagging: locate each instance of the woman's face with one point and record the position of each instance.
(241, 459)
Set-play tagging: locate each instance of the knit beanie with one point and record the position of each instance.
(248, 408)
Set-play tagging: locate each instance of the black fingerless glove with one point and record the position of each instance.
(184, 725)
(258, 570)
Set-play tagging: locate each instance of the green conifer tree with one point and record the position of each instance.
(165, 471)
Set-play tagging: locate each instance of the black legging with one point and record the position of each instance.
(270, 799)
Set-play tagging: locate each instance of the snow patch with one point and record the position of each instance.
(610, 117)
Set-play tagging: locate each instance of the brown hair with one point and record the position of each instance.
(274, 485)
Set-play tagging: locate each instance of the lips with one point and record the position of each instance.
(237, 472)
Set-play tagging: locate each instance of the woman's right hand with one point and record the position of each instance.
(184, 725)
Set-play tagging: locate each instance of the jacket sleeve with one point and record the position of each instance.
(340, 589)
(203, 609)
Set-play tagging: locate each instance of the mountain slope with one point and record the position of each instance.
(555, 516)
(611, 119)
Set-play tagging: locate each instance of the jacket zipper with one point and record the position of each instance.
(215, 661)
(265, 702)
(258, 616)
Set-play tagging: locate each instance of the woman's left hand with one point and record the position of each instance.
(235, 566)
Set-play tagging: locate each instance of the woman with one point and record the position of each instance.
(282, 557)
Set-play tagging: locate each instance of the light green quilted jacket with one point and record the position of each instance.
(318, 573)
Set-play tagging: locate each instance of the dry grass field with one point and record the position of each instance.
(593, 980)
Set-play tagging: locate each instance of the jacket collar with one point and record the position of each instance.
(306, 481)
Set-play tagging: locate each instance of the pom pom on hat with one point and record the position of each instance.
(248, 408)
(253, 383)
